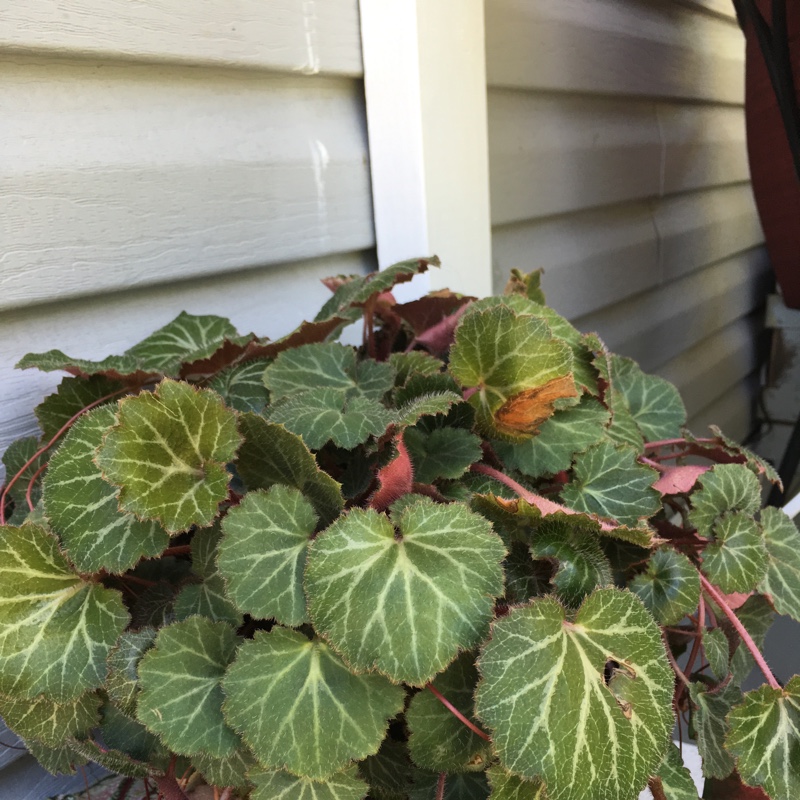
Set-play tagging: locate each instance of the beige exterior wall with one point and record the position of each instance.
(618, 164)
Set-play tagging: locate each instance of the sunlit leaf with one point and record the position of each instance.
(298, 707)
(83, 508)
(553, 714)
(405, 595)
(168, 453)
(676, 780)
(765, 738)
(56, 629)
(506, 786)
(48, 722)
(669, 587)
(263, 553)
(181, 697)
(425, 406)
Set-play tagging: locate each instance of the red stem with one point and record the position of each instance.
(457, 714)
(169, 788)
(440, 786)
(654, 464)
(140, 581)
(717, 597)
(542, 503)
(178, 550)
(65, 427)
(695, 647)
(29, 490)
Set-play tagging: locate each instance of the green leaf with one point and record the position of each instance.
(438, 740)
(525, 578)
(611, 483)
(567, 432)
(272, 455)
(405, 597)
(442, 453)
(124, 734)
(725, 487)
(554, 716)
(389, 772)
(736, 560)
(56, 629)
(756, 615)
(717, 650)
(56, 760)
(242, 387)
(114, 367)
(669, 587)
(180, 694)
(765, 738)
(782, 581)
(230, 771)
(528, 284)
(263, 553)
(425, 406)
(331, 415)
(623, 428)
(518, 368)
(208, 598)
(457, 786)
(280, 785)
(48, 722)
(168, 454)
(112, 760)
(72, 396)
(15, 457)
(187, 338)
(575, 547)
(83, 508)
(417, 362)
(298, 707)
(506, 786)
(676, 780)
(654, 403)
(711, 726)
(122, 683)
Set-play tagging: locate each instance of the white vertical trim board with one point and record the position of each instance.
(425, 82)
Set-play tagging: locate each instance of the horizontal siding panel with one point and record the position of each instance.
(26, 780)
(590, 259)
(270, 302)
(304, 35)
(11, 748)
(705, 372)
(550, 154)
(703, 146)
(127, 175)
(732, 412)
(699, 228)
(634, 47)
(661, 323)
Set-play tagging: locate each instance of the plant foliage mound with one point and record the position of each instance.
(459, 561)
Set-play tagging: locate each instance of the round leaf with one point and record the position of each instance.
(669, 587)
(782, 581)
(168, 453)
(736, 560)
(48, 722)
(725, 487)
(280, 785)
(298, 707)
(554, 715)
(405, 599)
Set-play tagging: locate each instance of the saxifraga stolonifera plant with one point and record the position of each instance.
(460, 561)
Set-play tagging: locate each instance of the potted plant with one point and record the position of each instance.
(461, 560)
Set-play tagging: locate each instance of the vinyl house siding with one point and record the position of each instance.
(618, 164)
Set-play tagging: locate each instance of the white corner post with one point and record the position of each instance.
(425, 80)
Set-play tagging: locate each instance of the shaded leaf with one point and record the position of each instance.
(765, 739)
(736, 559)
(123, 733)
(518, 368)
(298, 707)
(242, 387)
(56, 629)
(405, 595)
(525, 578)
(654, 403)
(263, 552)
(56, 760)
(425, 406)
(623, 428)
(280, 785)
(181, 697)
(669, 587)
(725, 487)
(83, 508)
(168, 453)
(230, 771)
(711, 726)
(717, 650)
(506, 786)
(756, 615)
(442, 453)
(389, 772)
(48, 722)
(417, 362)
(554, 716)
(122, 683)
(611, 483)
(15, 457)
(458, 786)
(676, 780)
(272, 455)
(782, 580)
(567, 432)
(438, 740)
